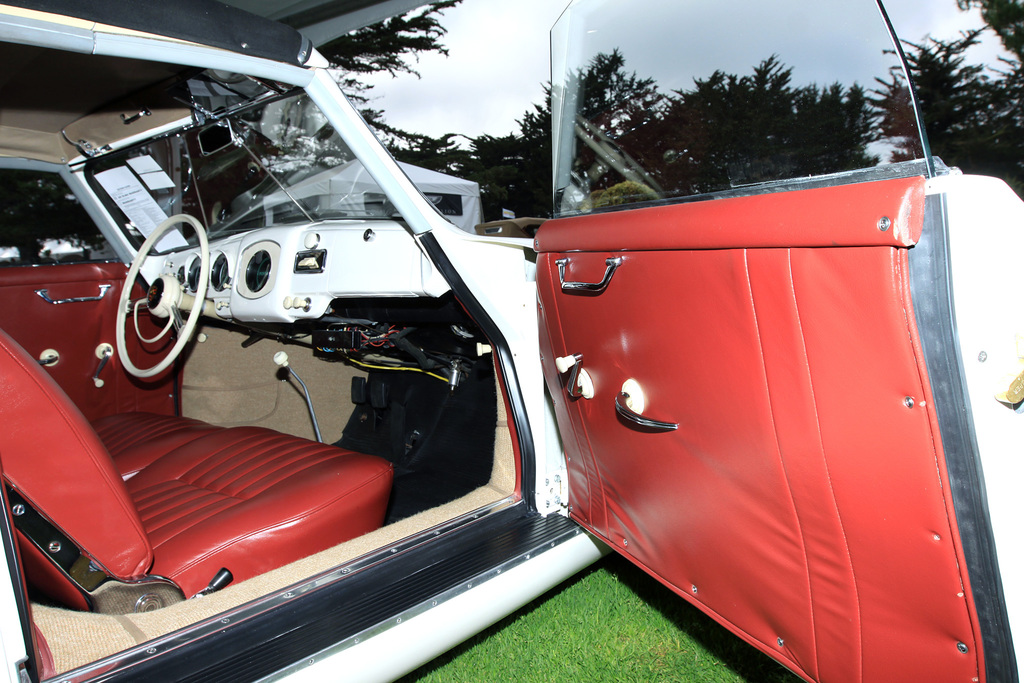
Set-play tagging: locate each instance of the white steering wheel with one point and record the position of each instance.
(164, 299)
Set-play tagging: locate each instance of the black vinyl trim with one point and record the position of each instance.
(323, 617)
(931, 289)
(517, 403)
(200, 21)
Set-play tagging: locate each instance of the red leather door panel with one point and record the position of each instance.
(75, 330)
(802, 499)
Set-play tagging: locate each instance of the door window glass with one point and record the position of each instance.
(682, 99)
(41, 222)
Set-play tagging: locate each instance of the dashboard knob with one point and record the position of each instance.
(311, 240)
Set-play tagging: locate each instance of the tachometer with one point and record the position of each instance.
(219, 274)
(193, 273)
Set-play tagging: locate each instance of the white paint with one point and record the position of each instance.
(400, 649)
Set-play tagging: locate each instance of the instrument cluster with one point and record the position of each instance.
(284, 274)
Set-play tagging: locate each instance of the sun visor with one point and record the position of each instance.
(31, 144)
(130, 117)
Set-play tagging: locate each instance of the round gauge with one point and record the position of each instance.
(193, 273)
(257, 272)
(219, 273)
(181, 275)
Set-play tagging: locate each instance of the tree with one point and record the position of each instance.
(36, 207)
(725, 131)
(745, 129)
(972, 114)
(1005, 17)
(535, 183)
(386, 47)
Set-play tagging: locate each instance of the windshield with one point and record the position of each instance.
(684, 97)
(274, 163)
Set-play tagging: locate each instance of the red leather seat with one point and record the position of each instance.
(146, 495)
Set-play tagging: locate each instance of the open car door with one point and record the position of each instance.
(731, 326)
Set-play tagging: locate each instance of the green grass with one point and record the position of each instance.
(610, 623)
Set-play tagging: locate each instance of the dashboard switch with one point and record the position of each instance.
(312, 261)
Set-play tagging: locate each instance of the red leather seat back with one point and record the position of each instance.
(54, 459)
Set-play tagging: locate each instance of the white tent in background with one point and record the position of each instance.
(457, 199)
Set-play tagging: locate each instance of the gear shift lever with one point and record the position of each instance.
(281, 358)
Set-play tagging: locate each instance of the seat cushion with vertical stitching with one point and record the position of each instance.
(251, 499)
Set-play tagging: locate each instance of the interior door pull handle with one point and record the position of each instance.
(593, 287)
(622, 409)
(45, 295)
(631, 402)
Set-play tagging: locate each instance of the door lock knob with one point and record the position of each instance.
(580, 382)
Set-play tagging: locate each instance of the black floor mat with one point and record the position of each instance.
(440, 441)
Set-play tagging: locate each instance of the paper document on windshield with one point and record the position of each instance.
(151, 173)
(125, 188)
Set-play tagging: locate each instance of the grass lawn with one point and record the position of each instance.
(610, 623)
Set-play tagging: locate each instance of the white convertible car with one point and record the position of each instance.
(268, 414)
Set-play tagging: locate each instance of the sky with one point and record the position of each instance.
(498, 62)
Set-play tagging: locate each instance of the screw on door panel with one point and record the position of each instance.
(884, 223)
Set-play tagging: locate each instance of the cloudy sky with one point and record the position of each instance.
(499, 59)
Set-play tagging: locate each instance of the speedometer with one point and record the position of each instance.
(257, 272)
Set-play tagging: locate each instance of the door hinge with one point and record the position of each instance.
(556, 491)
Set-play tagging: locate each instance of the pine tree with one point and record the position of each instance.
(391, 46)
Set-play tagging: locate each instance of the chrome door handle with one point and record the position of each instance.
(45, 295)
(611, 264)
(622, 408)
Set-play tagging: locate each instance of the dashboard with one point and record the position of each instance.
(284, 274)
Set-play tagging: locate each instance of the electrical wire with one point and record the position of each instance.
(372, 366)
